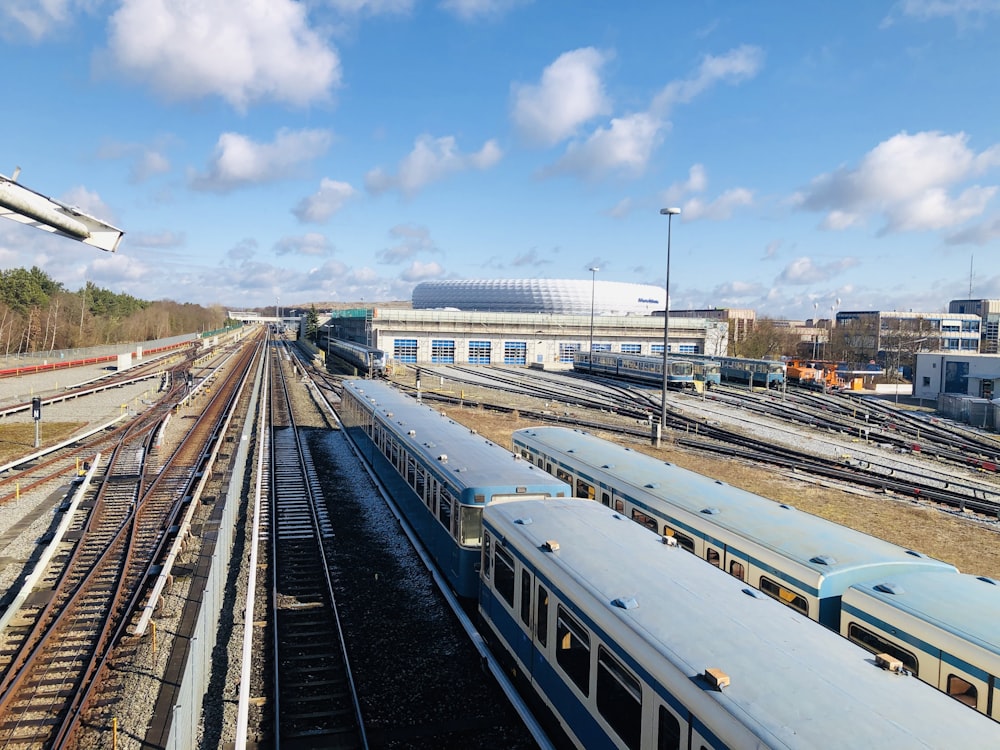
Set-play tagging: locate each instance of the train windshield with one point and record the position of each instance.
(470, 525)
(682, 368)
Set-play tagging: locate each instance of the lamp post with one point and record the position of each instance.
(593, 284)
(669, 212)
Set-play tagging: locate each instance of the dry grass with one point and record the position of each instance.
(972, 547)
(17, 439)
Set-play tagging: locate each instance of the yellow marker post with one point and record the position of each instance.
(17, 490)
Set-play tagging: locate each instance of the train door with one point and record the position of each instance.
(978, 691)
(715, 553)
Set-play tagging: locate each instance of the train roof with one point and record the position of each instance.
(965, 606)
(793, 682)
(838, 555)
(465, 457)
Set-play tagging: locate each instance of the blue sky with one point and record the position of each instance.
(824, 155)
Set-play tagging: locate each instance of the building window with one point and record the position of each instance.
(404, 350)
(515, 352)
(631, 348)
(602, 347)
(566, 352)
(688, 349)
(927, 382)
(479, 352)
(442, 351)
(656, 348)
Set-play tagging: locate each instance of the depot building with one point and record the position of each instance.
(539, 322)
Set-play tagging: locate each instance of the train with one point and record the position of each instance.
(937, 622)
(645, 369)
(765, 373)
(625, 642)
(368, 360)
(655, 650)
(440, 473)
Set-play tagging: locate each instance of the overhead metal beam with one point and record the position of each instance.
(24, 205)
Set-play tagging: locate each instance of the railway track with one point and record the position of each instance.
(638, 403)
(59, 687)
(315, 700)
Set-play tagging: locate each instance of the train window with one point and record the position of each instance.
(573, 650)
(713, 557)
(606, 499)
(539, 462)
(525, 597)
(620, 505)
(584, 490)
(564, 475)
(648, 521)
(444, 510)
(411, 471)
(879, 645)
(548, 468)
(683, 541)
(736, 570)
(962, 690)
(432, 493)
(487, 555)
(419, 483)
(470, 525)
(503, 575)
(542, 617)
(783, 595)
(619, 698)
(668, 730)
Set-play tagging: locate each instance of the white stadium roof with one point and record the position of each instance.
(553, 296)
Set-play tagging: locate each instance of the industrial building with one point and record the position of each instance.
(886, 337)
(988, 311)
(522, 322)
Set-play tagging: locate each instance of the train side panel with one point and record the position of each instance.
(943, 630)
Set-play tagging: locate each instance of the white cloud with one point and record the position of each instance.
(964, 12)
(411, 240)
(906, 180)
(244, 51)
(419, 271)
(155, 240)
(371, 7)
(312, 243)
(733, 67)
(979, 234)
(239, 161)
(696, 182)
(719, 209)
(39, 18)
(471, 10)
(625, 147)
(431, 160)
(570, 93)
(324, 203)
(804, 271)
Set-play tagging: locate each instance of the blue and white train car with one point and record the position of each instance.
(802, 560)
(765, 373)
(626, 642)
(440, 473)
(368, 360)
(642, 368)
(943, 629)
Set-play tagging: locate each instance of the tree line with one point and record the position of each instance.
(38, 313)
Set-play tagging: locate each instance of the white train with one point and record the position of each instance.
(627, 642)
(941, 625)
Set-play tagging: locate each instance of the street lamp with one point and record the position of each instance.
(593, 284)
(669, 212)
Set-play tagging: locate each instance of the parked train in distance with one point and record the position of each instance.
(627, 642)
(765, 373)
(439, 472)
(941, 625)
(647, 369)
(367, 360)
